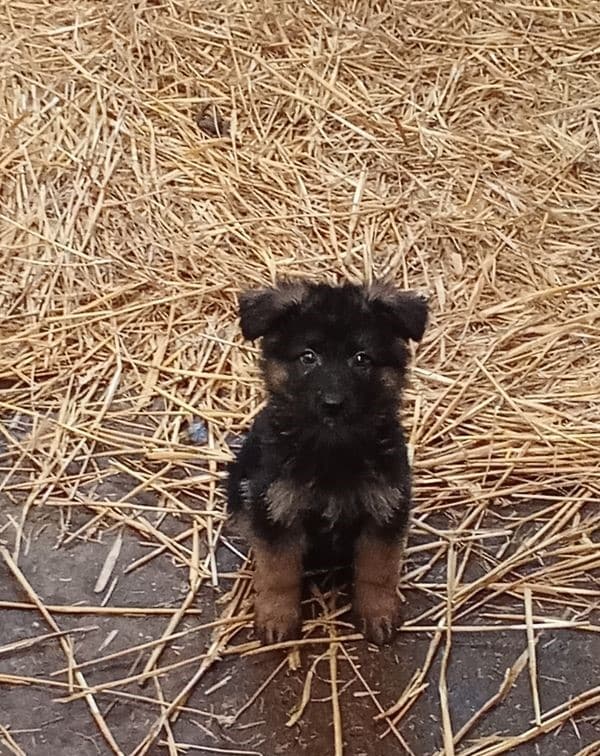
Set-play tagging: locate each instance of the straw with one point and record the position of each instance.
(157, 159)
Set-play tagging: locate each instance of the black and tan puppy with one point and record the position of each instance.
(325, 462)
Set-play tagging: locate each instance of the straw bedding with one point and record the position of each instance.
(158, 157)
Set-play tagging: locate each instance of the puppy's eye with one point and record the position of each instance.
(361, 360)
(308, 357)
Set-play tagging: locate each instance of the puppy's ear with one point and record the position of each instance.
(260, 309)
(405, 311)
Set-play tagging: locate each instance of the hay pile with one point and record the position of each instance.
(157, 157)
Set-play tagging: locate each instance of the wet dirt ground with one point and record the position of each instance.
(40, 723)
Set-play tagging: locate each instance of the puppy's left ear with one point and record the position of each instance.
(405, 311)
(261, 309)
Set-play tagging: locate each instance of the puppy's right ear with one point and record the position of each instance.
(405, 311)
(260, 309)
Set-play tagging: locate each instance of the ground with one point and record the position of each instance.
(224, 714)
(158, 157)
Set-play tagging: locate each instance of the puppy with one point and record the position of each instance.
(325, 463)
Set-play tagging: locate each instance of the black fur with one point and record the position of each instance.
(326, 458)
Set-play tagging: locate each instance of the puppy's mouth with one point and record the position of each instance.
(335, 422)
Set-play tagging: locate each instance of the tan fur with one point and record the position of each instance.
(377, 568)
(277, 584)
(275, 374)
(381, 500)
(285, 501)
(392, 379)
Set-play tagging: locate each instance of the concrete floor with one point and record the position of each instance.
(41, 725)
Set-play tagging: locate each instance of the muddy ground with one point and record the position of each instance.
(66, 575)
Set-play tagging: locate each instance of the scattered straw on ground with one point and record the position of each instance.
(156, 157)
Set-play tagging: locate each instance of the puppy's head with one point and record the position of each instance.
(334, 354)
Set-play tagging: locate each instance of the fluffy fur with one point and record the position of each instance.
(324, 467)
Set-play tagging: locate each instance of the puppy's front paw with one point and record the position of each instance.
(276, 617)
(378, 612)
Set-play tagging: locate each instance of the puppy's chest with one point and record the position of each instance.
(326, 510)
(323, 510)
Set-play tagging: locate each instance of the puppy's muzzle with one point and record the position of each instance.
(332, 404)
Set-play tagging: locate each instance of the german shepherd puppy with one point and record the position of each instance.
(325, 464)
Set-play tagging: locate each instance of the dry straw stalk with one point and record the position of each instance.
(158, 157)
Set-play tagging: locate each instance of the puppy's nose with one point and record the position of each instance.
(332, 403)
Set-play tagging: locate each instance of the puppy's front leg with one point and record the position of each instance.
(277, 585)
(377, 562)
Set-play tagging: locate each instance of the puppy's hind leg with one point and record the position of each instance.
(277, 585)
